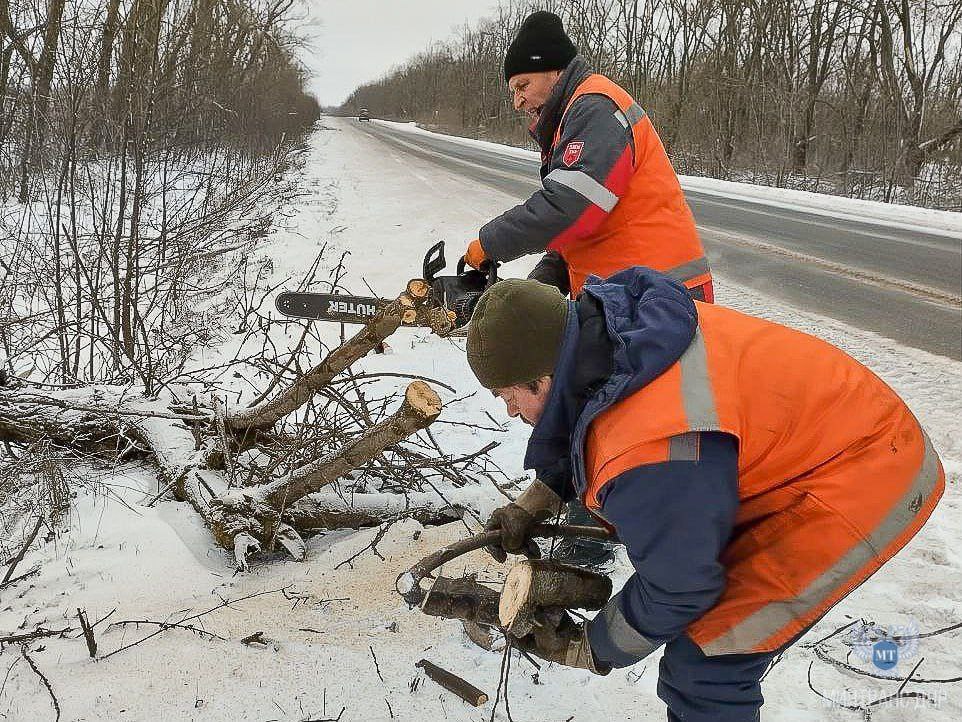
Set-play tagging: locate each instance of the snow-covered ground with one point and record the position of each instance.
(330, 623)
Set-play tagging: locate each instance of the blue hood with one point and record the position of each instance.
(649, 321)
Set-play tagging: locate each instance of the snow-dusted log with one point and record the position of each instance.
(416, 304)
(533, 584)
(105, 418)
(420, 407)
(327, 510)
(90, 418)
(243, 521)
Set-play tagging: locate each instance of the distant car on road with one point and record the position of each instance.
(363, 114)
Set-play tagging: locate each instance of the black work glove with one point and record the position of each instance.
(556, 637)
(515, 520)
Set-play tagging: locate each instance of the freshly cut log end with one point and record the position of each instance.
(423, 399)
(409, 316)
(514, 599)
(536, 583)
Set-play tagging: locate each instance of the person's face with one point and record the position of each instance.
(530, 91)
(522, 401)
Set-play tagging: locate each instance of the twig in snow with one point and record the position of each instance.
(161, 493)
(161, 627)
(88, 632)
(826, 657)
(382, 530)
(23, 550)
(866, 709)
(104, 618)
(7, 675)
(326, 719)
(503, 682)
(35, 634)
(377, 668)
(21, 577)
(183, 623)
(43, 678)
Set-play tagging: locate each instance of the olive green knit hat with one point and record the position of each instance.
(515, 332)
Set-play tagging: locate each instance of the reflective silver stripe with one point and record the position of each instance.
(635, 113)
(770, 619)
(687, 271)
(622, 118)
(696, 392)
(684, 447)
(628, 640)
(585, 185)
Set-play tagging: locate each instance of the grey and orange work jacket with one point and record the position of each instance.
(611, 199)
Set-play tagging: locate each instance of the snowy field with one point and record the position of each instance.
(340, 642)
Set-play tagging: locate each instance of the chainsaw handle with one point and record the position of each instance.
(489, 268)
(433, 261)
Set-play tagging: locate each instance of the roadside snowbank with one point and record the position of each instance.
(914, 218)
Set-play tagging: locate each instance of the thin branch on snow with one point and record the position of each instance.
(38, 633)
(43, 678)
(23, 551)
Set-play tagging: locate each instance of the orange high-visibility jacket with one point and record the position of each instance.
(835, 473)
(651, 223)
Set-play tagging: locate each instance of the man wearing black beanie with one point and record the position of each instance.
(611, 199)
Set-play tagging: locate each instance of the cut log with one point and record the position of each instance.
(534, 584)
(408, 584)
(463, 599)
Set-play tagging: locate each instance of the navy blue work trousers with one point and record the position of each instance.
(698, 688)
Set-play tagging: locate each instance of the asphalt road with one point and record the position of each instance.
(902, 284)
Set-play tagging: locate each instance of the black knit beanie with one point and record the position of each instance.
(541, 45)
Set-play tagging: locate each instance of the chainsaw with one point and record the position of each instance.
(458, 294)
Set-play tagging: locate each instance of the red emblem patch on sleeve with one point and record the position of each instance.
(572, 152)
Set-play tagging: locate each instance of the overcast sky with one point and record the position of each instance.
(355, 41)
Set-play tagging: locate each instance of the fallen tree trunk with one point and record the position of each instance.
(242, 521)
(190, 460)
(327, 510)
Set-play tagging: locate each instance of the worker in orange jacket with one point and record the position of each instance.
(610, 199)
(756, 475)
